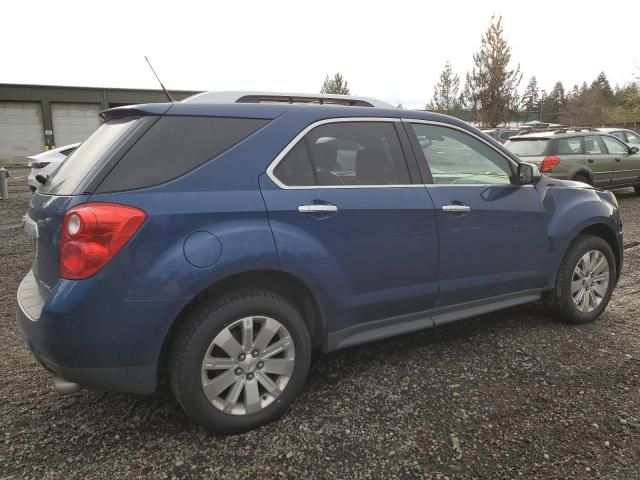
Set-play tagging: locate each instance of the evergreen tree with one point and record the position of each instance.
(492, 83)
(336, 85)
(531, 96)
(602, 83)
(446, 93)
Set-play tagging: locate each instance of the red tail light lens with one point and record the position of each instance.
(92, 234)
(37, 165)
(548, 164)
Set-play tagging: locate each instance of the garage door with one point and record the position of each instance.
(21, 131)
(73, 122)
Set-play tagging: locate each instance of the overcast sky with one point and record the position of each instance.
(393, 50)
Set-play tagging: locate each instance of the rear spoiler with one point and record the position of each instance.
(142, 110)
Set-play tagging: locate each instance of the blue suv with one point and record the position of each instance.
(219, 241)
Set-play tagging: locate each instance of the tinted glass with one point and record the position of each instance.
(614, 145)
(633, 137)
(455, 157)
(173, 147)
(528, 148)
(295, 168)
(592, 146)
(569, 146)
(66, 178)
(357, 153)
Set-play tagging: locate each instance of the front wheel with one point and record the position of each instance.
(637, 189)
(586, 279)
(240, 360)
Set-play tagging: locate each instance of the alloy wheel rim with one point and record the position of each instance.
(590, 281)
(247, 365)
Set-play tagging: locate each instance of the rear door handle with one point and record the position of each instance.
(317, 208)
(456, 208)
(617, 159)
(590, 160)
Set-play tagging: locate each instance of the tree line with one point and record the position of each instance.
(490, 93)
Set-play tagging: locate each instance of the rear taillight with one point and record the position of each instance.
(548, 164)
(37, 165)
(92, 234)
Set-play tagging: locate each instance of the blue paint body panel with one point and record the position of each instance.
(386, 253)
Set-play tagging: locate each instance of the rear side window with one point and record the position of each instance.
(295, 168)
(569, 146)
(66, 178)
(174, 146)
(592, 146)
(529, 147)
(346, 153)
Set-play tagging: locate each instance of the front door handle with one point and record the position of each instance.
(456, 208)
(590, 160)
(317, 208)
(617, 159)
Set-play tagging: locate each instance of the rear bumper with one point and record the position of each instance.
(114, 348)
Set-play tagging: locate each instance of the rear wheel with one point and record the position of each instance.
(637, 189)
(581, 177)
(239, 361)
(586, 279)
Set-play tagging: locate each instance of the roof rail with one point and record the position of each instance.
(574, 129)
(279, 97)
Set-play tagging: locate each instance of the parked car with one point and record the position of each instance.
(629, 137)
(502, 134)
(218, 244)
(46, 162)
(583, 155)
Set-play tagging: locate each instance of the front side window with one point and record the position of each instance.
(614, 145)
(345, 153)
(455, 157)
(533, 147)
(569, 146)
(592, 146)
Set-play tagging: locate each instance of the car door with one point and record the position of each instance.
(626, 166)
(492, 233)
(347, 218)
(599, 162)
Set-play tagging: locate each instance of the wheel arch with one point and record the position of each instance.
(585, 172)
(279, 282)
(605, 232)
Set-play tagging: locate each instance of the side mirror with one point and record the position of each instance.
(633, 150)
(528, 174)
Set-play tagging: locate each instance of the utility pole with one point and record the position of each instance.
(542, 94)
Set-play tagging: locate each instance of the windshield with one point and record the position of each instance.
(66, 178)
(529, 147)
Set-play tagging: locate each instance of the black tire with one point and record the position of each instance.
(562, 299)
(198, 330)
(637, 189)
(582, 177)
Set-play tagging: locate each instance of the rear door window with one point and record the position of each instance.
(592, 146)
(66, 178)
(344, 154)
(569, 146)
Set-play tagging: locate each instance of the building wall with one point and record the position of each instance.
(48, 95)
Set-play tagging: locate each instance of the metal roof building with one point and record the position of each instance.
(34, 118)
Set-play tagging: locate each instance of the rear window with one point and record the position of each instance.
(174, 146)
(528, 147)
(66, 178)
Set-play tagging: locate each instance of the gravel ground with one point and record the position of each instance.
(506, 395)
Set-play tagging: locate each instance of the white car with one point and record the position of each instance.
(629, 137)
(46, 162)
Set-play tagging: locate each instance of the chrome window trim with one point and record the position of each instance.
(511, 161)
(272, 166)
